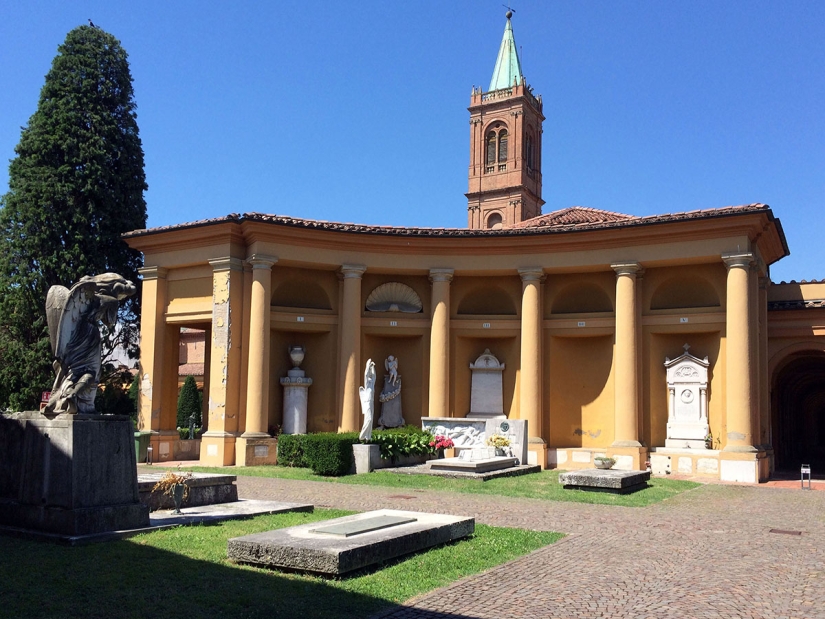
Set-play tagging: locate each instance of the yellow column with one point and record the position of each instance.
(626, 366)
(739, 394)
(439, 405)
(530, 371)
(218, 445)
(257, 382)
(764, 379)
(350, 358)
(152, 352)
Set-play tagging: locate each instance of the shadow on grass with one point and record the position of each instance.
(130, 580)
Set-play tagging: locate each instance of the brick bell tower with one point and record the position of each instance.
(505, 145)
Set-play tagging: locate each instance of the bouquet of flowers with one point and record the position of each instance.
(497, 440)
(441, 442)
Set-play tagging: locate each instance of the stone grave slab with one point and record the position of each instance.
(204, 489)
(605, 480)
(365, 525)
(483, 465)
(307, 548)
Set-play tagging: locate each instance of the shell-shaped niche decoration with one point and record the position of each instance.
(394, 297)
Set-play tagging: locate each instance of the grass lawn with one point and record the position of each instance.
(544, 485)
(183, 572)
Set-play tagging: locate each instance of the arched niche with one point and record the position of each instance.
(300, 292)
(684, 292)
(487, 300)
(582, 298)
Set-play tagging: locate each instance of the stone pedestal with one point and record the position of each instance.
(256, 451)
(486, 395)
(71, 475)
(296, 396)
(391, 416)
(367, 458)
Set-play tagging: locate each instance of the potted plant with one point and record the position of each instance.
(708, 441)
(174, 485)
(603, 462)
(500, 442)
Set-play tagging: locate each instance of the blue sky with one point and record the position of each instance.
(357, 111)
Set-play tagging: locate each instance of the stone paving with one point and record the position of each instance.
(708, 553)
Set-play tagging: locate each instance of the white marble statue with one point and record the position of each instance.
(391, 365)
(72, 316)
(390, 396)
(366, 394)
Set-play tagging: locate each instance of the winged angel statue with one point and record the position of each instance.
(73, 315)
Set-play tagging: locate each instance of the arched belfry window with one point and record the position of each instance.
(491, 148)
(502, 146)
(495, 149)
(494, 221)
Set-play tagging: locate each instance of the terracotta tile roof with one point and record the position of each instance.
(796, 304)
(190, 369)
(573, 216)
(589, 219)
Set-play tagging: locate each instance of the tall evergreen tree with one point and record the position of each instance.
(75, 186)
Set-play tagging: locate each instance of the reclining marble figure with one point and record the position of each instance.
(72, 315)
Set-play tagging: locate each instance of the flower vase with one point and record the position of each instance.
(178, 491)
(500, 451)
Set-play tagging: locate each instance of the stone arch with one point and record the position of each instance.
(301, 293)
(494, 221)
(798, 406)
(581, 298)
(485, 300)
(684, 292)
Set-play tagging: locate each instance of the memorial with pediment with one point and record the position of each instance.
(687, 386)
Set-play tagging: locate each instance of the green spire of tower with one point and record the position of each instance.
(508, 65)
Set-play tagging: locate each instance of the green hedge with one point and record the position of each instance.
(326, 453)
(330, 454)
(291, 450)
(403, 441)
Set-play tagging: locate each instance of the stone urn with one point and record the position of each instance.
(296, 354)
(604, 463)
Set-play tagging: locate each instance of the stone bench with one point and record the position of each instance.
(605, 480)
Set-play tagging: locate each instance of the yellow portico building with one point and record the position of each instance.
(611, 330)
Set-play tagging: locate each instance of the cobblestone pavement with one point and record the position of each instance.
(705, 553)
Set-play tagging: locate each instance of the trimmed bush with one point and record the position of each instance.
(403, 441)
(330, 454)
(291, 450)
(188, 403)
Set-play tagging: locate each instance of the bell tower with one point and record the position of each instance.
(505, 145)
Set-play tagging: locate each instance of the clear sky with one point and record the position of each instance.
(357, 111)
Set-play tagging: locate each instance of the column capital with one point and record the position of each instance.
(261, 261)
(227, 263)
(738, 260)
(531, 274)
(153, 272)
(441, 275)
(626, 268)
(352, 271)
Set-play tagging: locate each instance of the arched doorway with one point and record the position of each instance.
(798, 411)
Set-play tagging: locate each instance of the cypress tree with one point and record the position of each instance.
(75, 185)
(188, 403)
